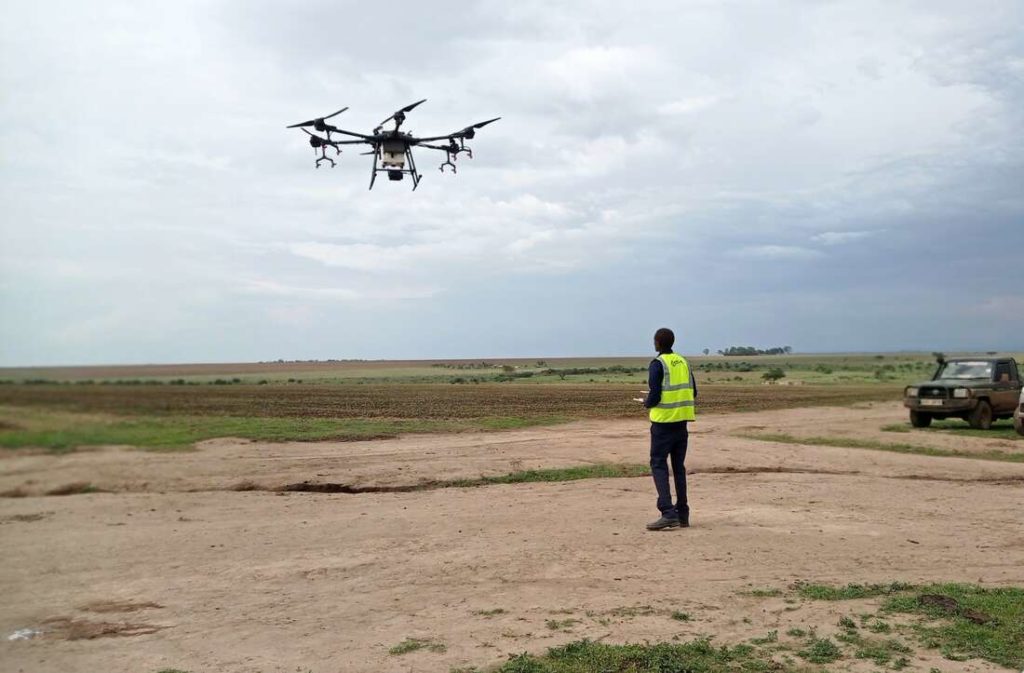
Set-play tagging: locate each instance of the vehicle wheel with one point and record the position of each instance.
(981, 417)
(919, 420)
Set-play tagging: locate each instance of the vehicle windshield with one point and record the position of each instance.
(966, 370)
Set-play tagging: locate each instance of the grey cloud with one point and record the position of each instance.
(793, 162)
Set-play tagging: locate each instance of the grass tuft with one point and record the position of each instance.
(821, 651)
(490, 613)
(413, 644)
(561, 624)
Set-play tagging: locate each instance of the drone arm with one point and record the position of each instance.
(468, 131)
(418, 141)
(335, 129)
(334, 143)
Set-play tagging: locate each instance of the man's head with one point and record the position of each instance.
(663, 340)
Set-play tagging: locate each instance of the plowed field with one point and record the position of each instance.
(430, 401)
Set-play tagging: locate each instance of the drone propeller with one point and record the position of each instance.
(399, 115)
(318, 123)
(470, 131)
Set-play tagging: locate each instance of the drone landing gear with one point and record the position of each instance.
(452, 151)
(324, 157)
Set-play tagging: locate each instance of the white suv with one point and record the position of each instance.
(1018, 416)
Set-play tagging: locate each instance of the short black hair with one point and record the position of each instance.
(665, 338)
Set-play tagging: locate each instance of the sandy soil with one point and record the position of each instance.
(173, 569)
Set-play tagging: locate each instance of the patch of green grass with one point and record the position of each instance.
(999, 430)
(986, 623)
(796, 633)
(698, 656)
(824, 592)
(598, 471)
(848, 637)
(680, 616)
(850, 443)
(881, 652)
(413, 644)
(962, 621)
(62, 431)
(820, 651)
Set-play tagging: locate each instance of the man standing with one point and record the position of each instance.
(671, 396)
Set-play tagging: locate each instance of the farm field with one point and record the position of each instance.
(823, 369)
(403, 522)
(62, 417)
(230, 558)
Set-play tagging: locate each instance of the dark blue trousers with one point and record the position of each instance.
(668, 440)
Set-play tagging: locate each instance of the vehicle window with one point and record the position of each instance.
(966, 370)
(1003, 368)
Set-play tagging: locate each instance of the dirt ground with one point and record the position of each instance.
(175, 568)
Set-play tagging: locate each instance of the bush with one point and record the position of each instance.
(773, 375)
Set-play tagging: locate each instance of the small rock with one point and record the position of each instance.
(24, 634)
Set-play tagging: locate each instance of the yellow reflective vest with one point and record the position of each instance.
(676, 391)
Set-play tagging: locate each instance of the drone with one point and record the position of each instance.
(391, 149)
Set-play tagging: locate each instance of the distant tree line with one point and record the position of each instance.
(750, 350)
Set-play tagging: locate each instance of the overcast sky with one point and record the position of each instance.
(833, 176)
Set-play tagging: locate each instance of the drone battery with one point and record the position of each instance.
(393, 154)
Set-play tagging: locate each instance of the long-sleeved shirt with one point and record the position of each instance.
(655, 375)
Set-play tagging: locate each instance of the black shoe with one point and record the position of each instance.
(664, 523)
